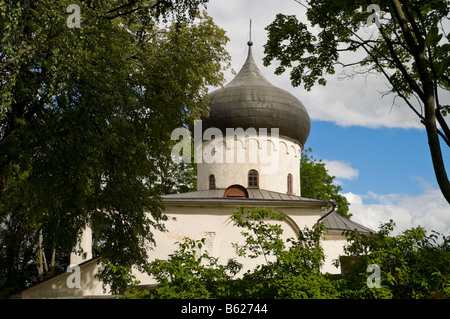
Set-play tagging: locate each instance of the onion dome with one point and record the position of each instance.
(250, 101)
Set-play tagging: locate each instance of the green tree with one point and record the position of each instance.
(413, 264)
(191, 272)
(318, 184)
(409, 47)
(294, 270)
(176, 176)
(86, 118)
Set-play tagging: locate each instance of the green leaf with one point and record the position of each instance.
(433, 36)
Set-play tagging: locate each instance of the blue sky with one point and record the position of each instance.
(374, 145)
(389, 160)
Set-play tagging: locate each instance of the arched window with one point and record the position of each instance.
(253, 179)
(236, 191)
(289, 184)
(212, 182)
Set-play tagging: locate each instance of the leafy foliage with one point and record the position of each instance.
(408, 46)
(86, 118)
(261, 238)
(413, 265)
(318, 184)
(295, 270)
(190, 273)
(338, 23)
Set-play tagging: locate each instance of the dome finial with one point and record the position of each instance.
(250, 43)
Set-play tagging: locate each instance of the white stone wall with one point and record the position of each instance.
(333, 246)
(215, 224)
(83, 251)
(230, 160)
(197, 221)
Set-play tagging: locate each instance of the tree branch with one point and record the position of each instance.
(446, 135)
(412, 21)
(131, 3)
(399, 65)
(398, 12)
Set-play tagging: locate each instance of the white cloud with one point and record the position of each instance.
(350, 102)
(358, 102)
(341, 170)
(428, 209)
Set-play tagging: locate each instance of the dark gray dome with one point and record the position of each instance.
(250, 101)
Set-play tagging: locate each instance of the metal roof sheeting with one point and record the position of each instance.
(253, 194)
(336, 223)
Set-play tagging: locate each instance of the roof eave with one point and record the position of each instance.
(242, 202)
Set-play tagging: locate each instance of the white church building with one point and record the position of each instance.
(248, 156)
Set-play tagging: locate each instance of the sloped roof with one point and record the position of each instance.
(336, 223)
(254, 195)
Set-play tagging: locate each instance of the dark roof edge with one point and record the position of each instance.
(243, 201)
(342, 224)
(214, 197)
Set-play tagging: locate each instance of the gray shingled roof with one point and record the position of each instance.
(254, 194)
(336, 223)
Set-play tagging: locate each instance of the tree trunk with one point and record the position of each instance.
(418, 48)
(40, 259)
(52, 264)
(2, 183)
(431, 124)
(435, 148)
(444, 126)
